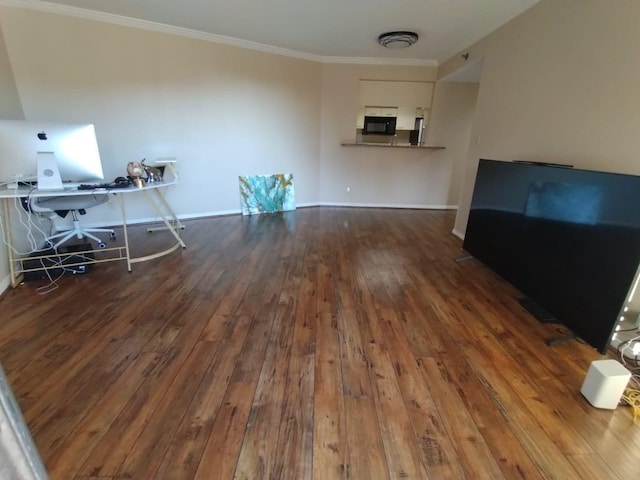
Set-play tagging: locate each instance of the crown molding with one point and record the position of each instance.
(84, 13)
(407, 62)
(153, 26)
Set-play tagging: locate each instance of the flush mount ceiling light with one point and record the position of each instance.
(398, 39)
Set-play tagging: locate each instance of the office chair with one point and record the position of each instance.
(76, 205)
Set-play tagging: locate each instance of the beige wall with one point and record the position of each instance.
(10, 107)
(560, 84)
(222, 111)
(453, 109)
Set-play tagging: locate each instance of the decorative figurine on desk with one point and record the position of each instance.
(154, 174)
(135, 171)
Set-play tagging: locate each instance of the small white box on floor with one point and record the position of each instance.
(605, 383)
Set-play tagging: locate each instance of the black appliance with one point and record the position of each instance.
(379, 126)
(568, 239)
(416, 135)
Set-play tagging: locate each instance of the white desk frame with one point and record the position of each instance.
(151, 192)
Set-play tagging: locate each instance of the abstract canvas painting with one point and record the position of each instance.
(266, 193)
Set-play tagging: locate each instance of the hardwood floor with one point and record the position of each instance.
(326, 343)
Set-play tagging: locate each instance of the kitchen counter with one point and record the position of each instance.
(387, 145)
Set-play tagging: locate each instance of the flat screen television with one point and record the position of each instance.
(74, 145)
(568, 239)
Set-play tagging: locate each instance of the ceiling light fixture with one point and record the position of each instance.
(399, 39)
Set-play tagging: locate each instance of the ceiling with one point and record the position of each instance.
(319, 28)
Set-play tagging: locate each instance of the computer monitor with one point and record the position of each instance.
(74, 147)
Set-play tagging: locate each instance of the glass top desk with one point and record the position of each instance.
(151, 192)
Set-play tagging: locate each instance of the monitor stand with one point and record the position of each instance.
(48, 172)
(545, 317)
(537, 311)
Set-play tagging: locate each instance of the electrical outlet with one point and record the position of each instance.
(348, 189)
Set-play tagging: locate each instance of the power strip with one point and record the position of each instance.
(628, 328)
(621, 338)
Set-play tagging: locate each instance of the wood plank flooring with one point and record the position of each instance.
(325, 343)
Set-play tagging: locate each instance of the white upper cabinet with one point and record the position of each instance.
(370, 111)
(360, 117)
(406, 118)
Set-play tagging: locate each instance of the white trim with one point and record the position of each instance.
(121, 20)
(139, 221)
(388, 205)
(219, 213)
(405, 62)
(458, 234)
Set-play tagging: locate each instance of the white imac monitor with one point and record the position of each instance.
(73, 146)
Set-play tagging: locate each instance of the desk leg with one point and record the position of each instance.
(175, 222)
(159, 211)
(7, 232)
(124, 230)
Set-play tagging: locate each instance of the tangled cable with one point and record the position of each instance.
(632, 397)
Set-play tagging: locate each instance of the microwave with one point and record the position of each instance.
(379, 126)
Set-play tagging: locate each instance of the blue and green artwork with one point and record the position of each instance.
(266, 193)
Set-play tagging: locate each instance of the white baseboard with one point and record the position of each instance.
(458, 234)
(139, 221)
(216, 213)
(387, 205)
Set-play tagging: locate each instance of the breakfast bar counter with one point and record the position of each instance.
(388, 145)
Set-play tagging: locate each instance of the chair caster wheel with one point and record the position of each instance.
(112, 236)
(102, 245)
(48, 244)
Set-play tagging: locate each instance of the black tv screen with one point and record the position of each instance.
(568, 239)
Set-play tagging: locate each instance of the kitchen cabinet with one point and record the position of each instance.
(406, 118)
(381, 111)
(360, 118)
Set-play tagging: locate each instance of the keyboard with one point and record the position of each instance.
(106, 186)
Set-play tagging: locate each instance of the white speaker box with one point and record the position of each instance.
(48, 172)
(605, 383)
